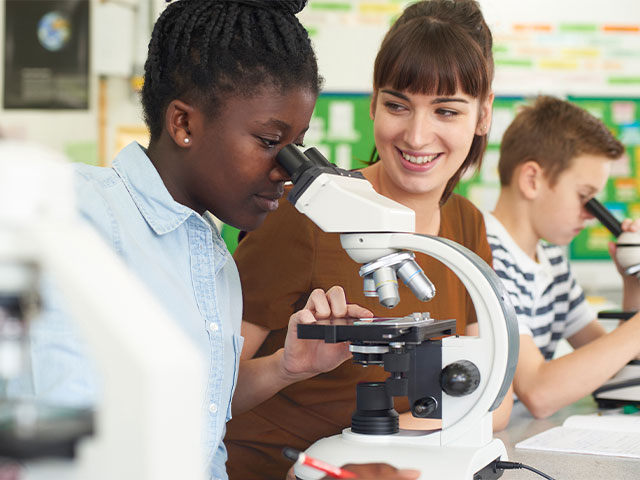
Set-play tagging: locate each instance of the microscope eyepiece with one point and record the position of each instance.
(595, 208)
(316, 157)
(293, 161)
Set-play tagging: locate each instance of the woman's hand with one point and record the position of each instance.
(307, 358)
(627, 225)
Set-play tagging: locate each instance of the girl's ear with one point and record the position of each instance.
(179, 120)
(530, 177)
(484, 120)
(372, 105)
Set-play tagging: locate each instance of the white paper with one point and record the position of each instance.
(618, 423)
(612, 435)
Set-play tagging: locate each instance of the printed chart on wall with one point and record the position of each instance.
(46, 54)
(568, 58)
(622, 192)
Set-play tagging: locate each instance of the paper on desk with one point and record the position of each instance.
(613, 435)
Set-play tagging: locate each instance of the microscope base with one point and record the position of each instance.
(450, 461)
(622, 389)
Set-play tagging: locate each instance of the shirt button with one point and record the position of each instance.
(213, 327)
(213, 408)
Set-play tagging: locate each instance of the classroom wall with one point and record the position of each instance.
(346, 35)
(119, 36)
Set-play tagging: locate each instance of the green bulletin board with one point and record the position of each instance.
(341, 129)
(622, 192)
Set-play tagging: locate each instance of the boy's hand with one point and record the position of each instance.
(630, 283)
(628, 225)
(306, 358)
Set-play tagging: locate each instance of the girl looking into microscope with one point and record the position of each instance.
(228, 83)
(431, 111)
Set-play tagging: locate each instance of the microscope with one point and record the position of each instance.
(628, 243)
(624, 387)
(459, 380)
(131, 433)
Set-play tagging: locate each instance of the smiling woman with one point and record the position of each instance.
(431, 109)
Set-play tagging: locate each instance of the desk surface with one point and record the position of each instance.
(561, 466)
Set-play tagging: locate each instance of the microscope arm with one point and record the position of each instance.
(494, 351)
(339, 201)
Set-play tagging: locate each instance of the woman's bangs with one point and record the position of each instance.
(435, 61)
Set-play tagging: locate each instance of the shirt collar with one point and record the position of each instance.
(148, 191)
(523, 260)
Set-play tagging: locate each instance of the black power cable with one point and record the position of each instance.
(502, 465)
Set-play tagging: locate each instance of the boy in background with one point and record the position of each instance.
(554, 157)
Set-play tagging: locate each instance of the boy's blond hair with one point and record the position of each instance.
(552, 132)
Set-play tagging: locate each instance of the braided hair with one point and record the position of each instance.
(203, 49)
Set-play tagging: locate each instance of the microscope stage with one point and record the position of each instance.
(410, 329)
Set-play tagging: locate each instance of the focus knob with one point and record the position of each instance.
(460, 378)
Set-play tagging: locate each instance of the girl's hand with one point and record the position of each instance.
(306, 358)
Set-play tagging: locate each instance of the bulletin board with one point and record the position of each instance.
(342, 129)
(622, 192)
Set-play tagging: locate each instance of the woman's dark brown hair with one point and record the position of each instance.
(437, 47)
(207, 50)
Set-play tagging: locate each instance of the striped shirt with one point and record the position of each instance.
(549, 304)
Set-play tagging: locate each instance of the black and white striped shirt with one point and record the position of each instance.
(550, 305)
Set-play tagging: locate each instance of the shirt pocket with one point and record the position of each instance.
(238, 342)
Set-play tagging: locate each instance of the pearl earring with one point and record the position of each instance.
(187, 140)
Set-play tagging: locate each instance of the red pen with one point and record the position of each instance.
(304, 459)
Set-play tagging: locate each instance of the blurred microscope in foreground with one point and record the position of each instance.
(131, 433)
(459, 380)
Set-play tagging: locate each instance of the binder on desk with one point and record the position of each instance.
(612, 435)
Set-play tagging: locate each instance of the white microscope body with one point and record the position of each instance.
(338, 202)
(146, 428)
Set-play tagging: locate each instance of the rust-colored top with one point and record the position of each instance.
(280, 264)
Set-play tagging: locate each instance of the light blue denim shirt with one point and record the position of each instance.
(182, 259)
